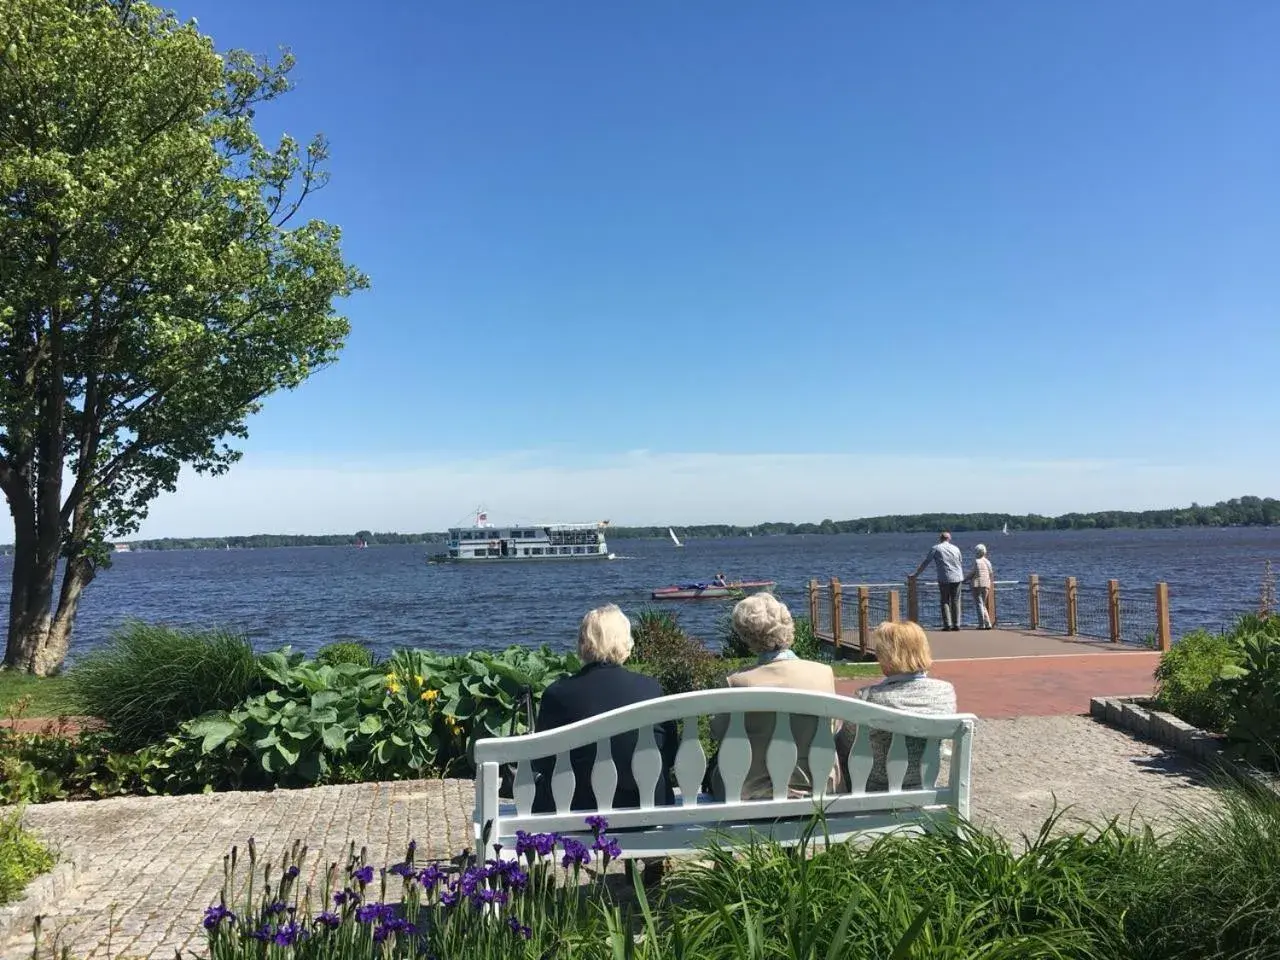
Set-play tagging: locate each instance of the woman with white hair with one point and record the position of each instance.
(601, 685)
(981, 582)
(765, 625)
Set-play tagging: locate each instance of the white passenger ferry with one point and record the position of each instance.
(484, 543)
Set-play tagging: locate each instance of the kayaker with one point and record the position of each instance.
(720, 580)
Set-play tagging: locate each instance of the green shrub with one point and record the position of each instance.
(1251, 690)
(1188, 678)
(21, 857)
(418, 715)
(149, 679)
(679, 662)
(806, 645)
(345, 651)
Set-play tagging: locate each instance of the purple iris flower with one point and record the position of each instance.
(518, 928)
(363, 875)
(289, 934)
(402, 870)
(608, 847)
(431, 876)
(343, 897)
(575, 853)
(291, 873)
(215, 915)
(597, 824)
(328, 919)
(275, 907)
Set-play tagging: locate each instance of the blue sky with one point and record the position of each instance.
(750, 261)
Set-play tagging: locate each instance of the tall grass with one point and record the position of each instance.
(943, 895)
(1217, 892)
(149, 679)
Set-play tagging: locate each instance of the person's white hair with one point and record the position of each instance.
(980, 550)
(605, 635)
(764, 623)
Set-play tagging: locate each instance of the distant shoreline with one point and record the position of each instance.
(1240, 512)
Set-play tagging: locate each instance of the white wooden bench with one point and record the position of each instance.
(695, 819)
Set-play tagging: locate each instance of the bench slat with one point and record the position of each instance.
(604, 775)
(896, 762)
(822, 756)
(691, 762)
(734, 758)
(781, 755)
(860, 761)
(562, 783)
(524, 788)
(931, 763)
(646, 766)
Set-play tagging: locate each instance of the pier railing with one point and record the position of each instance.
(845, 615)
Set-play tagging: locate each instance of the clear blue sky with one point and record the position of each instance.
(1003, 232)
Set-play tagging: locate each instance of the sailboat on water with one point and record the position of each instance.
(1005, 531)
(674, 538)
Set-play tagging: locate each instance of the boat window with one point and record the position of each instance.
(495, 553)
(564, 550)
(537, 551)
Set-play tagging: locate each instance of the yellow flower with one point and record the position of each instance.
(417, 678)
(429, 695)
(393, 687)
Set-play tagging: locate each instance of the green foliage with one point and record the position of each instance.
(149, 679)
(21, 857)
(1251, 689)
(1188, 678)
(806, 645)
(345, 652)
(1216, 892)
(1211, 891)
(417, 716)
(679, 662)
(157, 282)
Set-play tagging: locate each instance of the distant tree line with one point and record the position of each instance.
(1240, 512)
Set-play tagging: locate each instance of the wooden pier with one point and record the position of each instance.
(1032, 617)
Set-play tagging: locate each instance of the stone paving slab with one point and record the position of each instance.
(149, 866)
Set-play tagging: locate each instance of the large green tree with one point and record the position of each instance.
(156, 282)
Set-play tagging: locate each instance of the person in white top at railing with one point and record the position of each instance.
(950, 567)
(765, 625)
(981, 580)
(905, 658)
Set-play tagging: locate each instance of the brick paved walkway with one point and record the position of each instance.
(149, 866)
(1039, 686)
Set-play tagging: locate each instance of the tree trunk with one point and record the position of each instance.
(39, 635)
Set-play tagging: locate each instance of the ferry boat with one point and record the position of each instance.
(485, 543)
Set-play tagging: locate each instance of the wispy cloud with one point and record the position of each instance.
(643, 487)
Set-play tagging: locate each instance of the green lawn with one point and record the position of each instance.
(847, 669)
(50, 696)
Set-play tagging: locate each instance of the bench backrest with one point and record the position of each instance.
(847, 813)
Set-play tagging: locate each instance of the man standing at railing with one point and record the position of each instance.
(950, 566)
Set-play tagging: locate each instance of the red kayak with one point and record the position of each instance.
(710, 591)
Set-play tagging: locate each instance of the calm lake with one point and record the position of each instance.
(389, 597)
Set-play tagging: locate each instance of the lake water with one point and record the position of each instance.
(389, 597)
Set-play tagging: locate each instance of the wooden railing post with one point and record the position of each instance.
(813, 608)
(1113, 609)
(864, 615)
(836, 630)
(1033, 601)
(895, 613)
(913, 600)
(1164, 637)
(991, 604)
(1072, 597)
